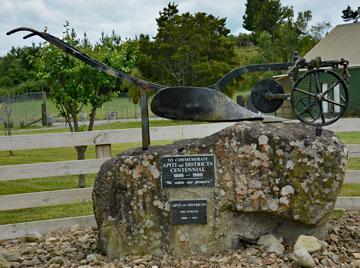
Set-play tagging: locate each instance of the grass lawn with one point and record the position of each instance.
(43, 184)
(350, 190)
(352, 137)
(137, 124)
(354, 163)
(124, 107)
(45, 213)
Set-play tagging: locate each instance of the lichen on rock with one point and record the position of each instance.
(270, 178)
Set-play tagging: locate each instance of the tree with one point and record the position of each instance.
(74, 84)
(252, 7)
(349, 14)
(189, 49)
(272, 14)
(265, 15)
(295, 34)
(16, 71)
(319, 30)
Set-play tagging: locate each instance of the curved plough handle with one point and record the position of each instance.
(88, 60)
(235, 73)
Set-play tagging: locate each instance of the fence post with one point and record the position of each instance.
(103, 150)
(144, 120)
(44, 118)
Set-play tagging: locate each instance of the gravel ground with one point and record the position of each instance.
(78, 248)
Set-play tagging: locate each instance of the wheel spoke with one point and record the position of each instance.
(311, 115)
(314, 118)
(307, 108)
(304, 92)
(302, 102)
(309, 112)
(310, 82)
(318, 84)
(335, 103)
(330, 88)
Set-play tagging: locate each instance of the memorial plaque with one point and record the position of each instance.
(189, 211)
(188, 171)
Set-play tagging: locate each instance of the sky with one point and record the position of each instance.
(129, 18)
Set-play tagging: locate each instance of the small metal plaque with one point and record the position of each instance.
(188, 171)
(189, 211)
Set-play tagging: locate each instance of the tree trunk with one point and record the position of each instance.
(80, 152)
(81, 156)
(92, 118)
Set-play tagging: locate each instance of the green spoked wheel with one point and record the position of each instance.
(319, 97)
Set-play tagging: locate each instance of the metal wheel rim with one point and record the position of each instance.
(341, 82)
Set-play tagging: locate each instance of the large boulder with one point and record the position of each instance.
(274, 178)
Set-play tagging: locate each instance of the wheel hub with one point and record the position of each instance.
(320, 97)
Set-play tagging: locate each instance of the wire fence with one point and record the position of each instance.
(21, 110)
(18, 111)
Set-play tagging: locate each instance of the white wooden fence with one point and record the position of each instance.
(102, 141)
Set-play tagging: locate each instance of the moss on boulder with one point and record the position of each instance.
(270, 178)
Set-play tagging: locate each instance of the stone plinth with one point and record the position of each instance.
(269, 178)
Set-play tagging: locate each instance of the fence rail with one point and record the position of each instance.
(43, 199)
(51, 169)
(101, 137)
(354, 150)
(102, 141)
(12, 231)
